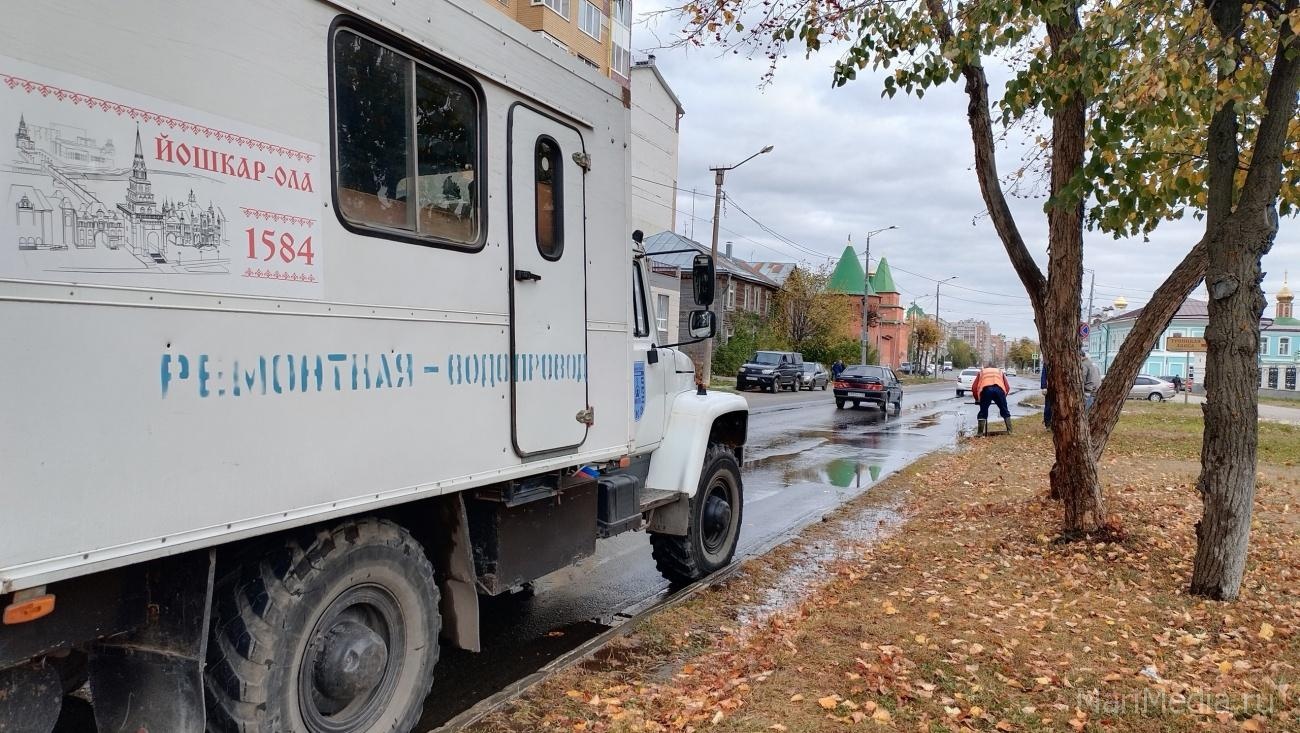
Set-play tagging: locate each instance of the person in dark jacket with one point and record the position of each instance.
(1047, 397)
(836, 369)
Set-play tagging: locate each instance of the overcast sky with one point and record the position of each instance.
(847, 161)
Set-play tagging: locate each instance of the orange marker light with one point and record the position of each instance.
(624, 462)
(29, 610)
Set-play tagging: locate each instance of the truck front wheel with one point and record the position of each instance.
(714, 526)
(337, 632)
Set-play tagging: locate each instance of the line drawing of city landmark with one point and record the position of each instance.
(67, 214)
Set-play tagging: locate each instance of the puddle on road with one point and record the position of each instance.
(851, 454)
(927, 421)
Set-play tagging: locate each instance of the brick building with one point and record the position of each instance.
(889, 337)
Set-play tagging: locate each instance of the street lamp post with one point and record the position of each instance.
(938, 367)
(718, 174)
(866, 285)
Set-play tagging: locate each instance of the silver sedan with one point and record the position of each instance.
(1151, 388)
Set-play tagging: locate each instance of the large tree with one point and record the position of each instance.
(1021, 353)
(812, 320)
(1118, 151)
(925, 337)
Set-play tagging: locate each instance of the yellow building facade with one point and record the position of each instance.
(597, 31)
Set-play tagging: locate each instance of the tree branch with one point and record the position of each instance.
(1265, 177)
(1222, 146)
(1157, 313)
(986, 168)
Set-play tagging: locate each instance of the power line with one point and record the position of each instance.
(678, 189)
(722, 228)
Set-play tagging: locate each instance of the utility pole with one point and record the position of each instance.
(938, 366)
(692, 213)
(866, 286)
(718, 174)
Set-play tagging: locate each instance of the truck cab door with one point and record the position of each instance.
(547, 276)
(649, 380)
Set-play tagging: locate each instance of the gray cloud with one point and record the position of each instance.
(848, 161)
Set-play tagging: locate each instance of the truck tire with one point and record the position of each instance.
(337, 632)
(715, 514)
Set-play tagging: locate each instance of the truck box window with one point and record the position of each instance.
(399, 121)
(549, 178)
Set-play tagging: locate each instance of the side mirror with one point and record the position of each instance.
(702, 278)
(702, 324)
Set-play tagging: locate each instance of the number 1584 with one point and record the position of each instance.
(266, 245)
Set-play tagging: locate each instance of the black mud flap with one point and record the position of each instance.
(151, 680)
(30, 698)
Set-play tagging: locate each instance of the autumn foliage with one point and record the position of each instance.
(969, 617)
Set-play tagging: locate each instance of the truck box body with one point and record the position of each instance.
(179, 370)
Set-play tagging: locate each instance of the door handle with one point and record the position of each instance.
(525, 275)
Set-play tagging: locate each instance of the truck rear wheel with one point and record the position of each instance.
(715, 513)
(337, 632)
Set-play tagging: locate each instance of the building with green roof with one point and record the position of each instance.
(848, 277)
(882, 280)
(889, 335)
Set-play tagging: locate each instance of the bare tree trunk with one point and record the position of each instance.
(1227, 481)
(1055, 298)
(1231, 436)
(1074, 476)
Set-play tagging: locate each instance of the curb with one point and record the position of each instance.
(623, 627)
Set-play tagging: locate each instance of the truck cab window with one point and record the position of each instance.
(548, 176)
(639, 313)
(406, 144)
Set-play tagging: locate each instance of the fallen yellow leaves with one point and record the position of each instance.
(974, 619)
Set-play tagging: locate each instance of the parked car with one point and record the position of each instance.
(771, 370)
(1011, 372)
(1151, 388)
(947, 366)
(814, 375)
(966, 379)
(905, 368)
(868, 383)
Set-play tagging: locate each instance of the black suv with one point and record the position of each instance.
(771, 370)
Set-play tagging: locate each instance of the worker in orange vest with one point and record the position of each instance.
(991, 386)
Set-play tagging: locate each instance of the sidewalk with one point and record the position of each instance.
(1276, 413)
(969, 616)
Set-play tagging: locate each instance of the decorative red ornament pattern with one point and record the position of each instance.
(276, 216)
(148, 117)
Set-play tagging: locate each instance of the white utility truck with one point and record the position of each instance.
(318, 320)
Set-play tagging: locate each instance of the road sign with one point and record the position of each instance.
(1083, 331)
(1185, 343)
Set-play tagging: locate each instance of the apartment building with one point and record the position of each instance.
(977, 334)
(599, 32)
(656, 125)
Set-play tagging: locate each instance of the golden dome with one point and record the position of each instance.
(1120, 303)
(1285, 292)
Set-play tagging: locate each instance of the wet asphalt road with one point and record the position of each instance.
(803, 458)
